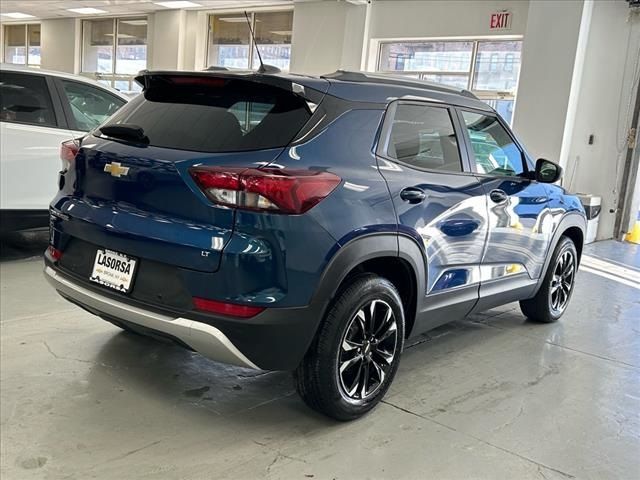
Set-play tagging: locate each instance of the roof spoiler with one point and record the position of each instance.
(217, 76)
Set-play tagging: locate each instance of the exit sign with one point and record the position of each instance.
(500, 20)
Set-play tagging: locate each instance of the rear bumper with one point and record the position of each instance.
(276, 339)
(204, 339)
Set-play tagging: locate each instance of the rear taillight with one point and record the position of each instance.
(53, 254)
(68, 152)
(275, 190)
(228, 309)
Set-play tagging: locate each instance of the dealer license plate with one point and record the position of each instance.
(114, 270)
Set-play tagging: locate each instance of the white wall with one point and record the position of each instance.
(548, 54)
(60, 44)
(166, 34)
(604, 105)
(354, 37)
(443, 18)
(190, 41)
(318, 36)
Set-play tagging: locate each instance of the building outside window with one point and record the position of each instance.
(230, 40)
(489, 68)
(22, 44)
(114, 50)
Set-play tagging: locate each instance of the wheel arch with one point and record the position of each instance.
(395, 257)
(572, 225)
(577, 237)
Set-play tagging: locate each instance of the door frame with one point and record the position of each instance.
(385, 135)
(527, 163)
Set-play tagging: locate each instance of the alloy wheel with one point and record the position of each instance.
(562, 282)
(368, 350)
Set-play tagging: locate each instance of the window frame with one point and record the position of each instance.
(66, 106)
(26, 43)
(113, 76)
(384, 137)
(56, 104)
(481, 94)
(252, 15)
(528, 169)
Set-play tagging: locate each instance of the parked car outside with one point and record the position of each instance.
(40, 109)
(313, 224)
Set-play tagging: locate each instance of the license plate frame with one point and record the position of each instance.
(114, 270)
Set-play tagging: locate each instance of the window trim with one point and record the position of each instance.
(113, 76)
(526, 172)
(26, 43)
(66, 106)
(56, 106)
(382, 144)
(252, 14)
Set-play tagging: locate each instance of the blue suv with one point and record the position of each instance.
(313, 224)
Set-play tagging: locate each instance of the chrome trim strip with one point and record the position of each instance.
(481, 274)
(204, 339)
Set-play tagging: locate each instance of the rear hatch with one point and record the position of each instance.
(133, 177)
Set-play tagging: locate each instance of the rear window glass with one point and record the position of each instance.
(215, 115)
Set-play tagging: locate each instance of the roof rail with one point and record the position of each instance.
(391, 79)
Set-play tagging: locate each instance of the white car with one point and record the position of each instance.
(38, 111)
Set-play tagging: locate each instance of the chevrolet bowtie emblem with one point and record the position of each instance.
(116, 169)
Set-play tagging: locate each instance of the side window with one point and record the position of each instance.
(423, 136)
(90, 105)
(494, 150)
(25, 98)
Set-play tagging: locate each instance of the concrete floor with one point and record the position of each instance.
(492, 397)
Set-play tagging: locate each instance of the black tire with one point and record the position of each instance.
(541, 307)
(319, 380)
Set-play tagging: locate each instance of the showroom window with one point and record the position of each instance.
(22, 44)
(230, 40)
(489, 68)
(114, 50)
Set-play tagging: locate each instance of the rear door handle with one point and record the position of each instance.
(498, 196)
(413, 195)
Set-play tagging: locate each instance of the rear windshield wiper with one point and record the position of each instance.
(125, 131)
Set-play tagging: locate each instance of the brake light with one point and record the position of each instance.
(68, 152)
(193, 81)
(276, 190)
(223, 308)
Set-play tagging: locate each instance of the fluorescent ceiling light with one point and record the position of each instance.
(18, 15)
(134, 22)
(86, 10)
(236, 19)
(178, 4)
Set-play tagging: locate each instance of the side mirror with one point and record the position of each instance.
(547, 171)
